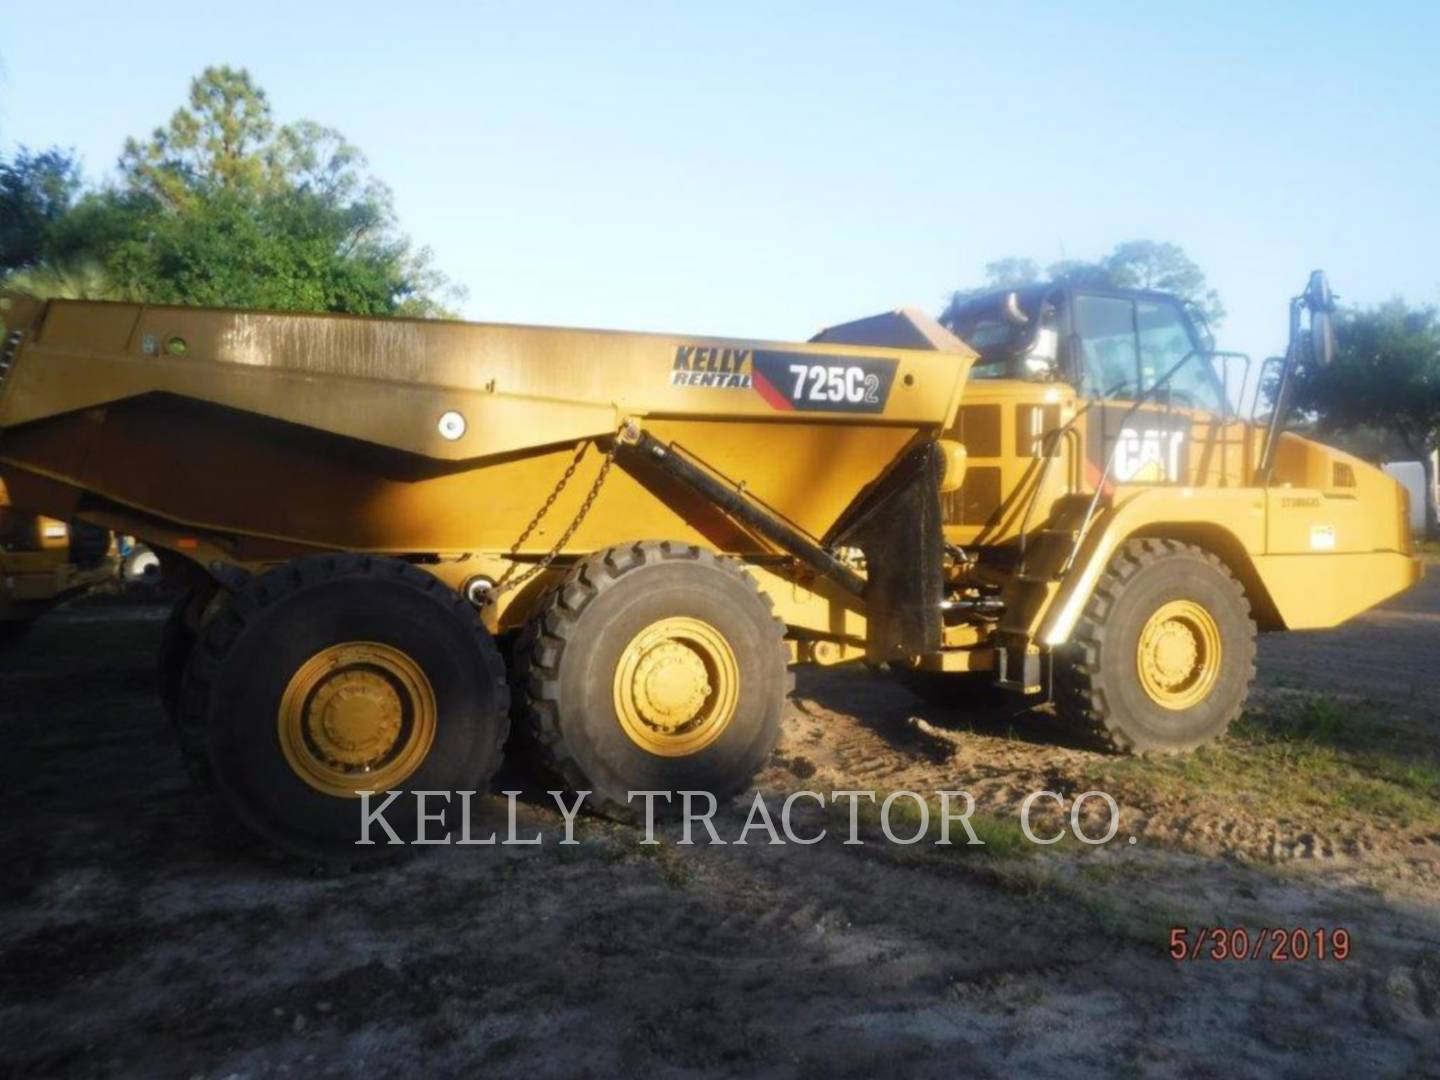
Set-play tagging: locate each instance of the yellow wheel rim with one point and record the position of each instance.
(676, 687)
(1178, 657)
(357, 717)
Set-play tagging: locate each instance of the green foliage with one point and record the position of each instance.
(1296, 760)
(1135, 264)
(223, 207)
(1385, 376)
(76, 279)
(1011, 272)
(1001, 837)
(223, 140)
(1146, 264)
(36, 191)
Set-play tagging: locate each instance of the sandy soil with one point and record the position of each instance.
(134, 940)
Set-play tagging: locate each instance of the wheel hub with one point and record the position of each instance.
(671, 685)
(1175, 653)
(354, 717)
(359, 716)
(676, 686)
(1178, 655)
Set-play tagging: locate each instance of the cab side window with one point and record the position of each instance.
(1165, 341)
(1109, 359)
(1127, 346)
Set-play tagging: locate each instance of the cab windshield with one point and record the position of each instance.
(1116, 347)
(1127, 345)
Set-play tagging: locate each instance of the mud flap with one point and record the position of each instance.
(898, 526)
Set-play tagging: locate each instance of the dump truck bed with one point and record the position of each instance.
(273, 430)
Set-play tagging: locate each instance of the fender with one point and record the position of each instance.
(1280, 584)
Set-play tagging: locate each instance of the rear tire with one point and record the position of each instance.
(1163, 656)
(654, 666)
(177, 641)
(333, 674)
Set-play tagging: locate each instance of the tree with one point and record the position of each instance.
(1011, 273)
(36, 191)
(1147, 264)
(223, 140)
(222, 206)
(1385, 377)
(1135, 264)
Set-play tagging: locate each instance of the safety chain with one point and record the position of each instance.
(505, 583)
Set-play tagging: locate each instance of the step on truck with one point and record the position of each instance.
(400, 534)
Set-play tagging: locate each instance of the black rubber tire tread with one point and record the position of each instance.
(177, 640)
(559, 622)
(1086, 692)
(244, 610)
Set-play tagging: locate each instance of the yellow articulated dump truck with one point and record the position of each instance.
(44, 561)
(395, 527)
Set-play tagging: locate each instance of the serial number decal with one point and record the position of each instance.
(1278, 944)
(806, 382)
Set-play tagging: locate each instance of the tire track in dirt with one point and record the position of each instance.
(854, 729)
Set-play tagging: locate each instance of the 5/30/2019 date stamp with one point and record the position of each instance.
(1278, 944)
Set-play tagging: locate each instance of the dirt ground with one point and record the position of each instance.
(134, 940)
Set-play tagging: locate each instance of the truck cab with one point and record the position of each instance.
(1061, 370)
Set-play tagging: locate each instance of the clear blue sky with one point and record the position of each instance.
(763, 169)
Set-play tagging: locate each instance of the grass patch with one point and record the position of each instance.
(1313, 758)
(1000, 837)
(1146, 925)
(675, 871)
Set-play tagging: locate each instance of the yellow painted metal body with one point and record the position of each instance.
(1326, 540)
(252, 437)
(36, 569)
(249, 438)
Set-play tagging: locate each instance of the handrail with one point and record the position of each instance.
(1145, 396)
(1048, 451)
(1225, 409)
(1050, 441)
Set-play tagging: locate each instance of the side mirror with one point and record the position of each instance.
(1013, 312)
(1321, 302)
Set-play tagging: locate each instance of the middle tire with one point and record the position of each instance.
(654, 666)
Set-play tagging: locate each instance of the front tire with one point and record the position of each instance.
(654, 666)
(1162, 658)
(332, 675)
